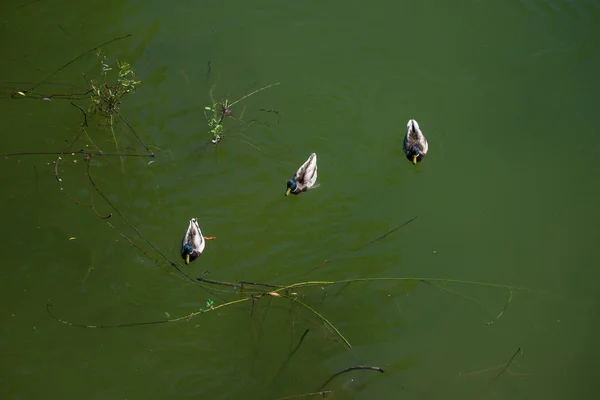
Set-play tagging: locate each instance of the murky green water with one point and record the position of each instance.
(506, 93)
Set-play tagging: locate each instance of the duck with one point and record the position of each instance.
(192, 244)
(415, 145)
(305, 177)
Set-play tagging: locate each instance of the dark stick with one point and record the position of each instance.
(352, 368)
(269, 111)
(96, 212)
(285, 364)
(77, 58)
(207, 72)
(260, 284)
(252, 307)
(83, 111)
(367, 244)
(506, 366)
(202, 279)
(240, 284)
(386, 234)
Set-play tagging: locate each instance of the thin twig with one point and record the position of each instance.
(90, 268)
(289, 357)
(250, 94)
(386, 234)
(150, 154)
(506, 305)
(452, 291)
(129, 240)
(75, 59)
(352, 368)
(186, 317)
(131, 225)
(366, 244)
(506, 366)
(207, 73)
(325, 320)
(87, 153)
(321, 393)
(84, 113)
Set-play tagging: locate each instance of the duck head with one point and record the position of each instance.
(187, 251)
(414, 153)
(291, 186)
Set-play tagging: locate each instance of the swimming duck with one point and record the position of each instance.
(192, 244)
(415, 145)
(305, 177)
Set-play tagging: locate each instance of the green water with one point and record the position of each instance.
(506, 93)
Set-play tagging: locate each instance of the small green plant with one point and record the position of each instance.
(215, 121)
(106, 97)
(220, 109)
(209, 305)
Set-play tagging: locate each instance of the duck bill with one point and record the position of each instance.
(187, 258)
(414, 160)
(287, 192)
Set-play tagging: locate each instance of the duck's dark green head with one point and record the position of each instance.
(187, 251)
(414, 153)
(291, 186)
